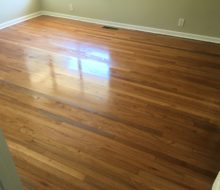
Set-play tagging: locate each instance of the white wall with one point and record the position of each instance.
(11, 9)
(202, 16)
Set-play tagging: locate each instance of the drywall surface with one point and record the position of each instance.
(11, 9)
(202, 16)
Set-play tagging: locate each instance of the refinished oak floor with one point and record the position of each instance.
(88, 108)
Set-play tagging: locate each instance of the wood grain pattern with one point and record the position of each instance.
(84, 107)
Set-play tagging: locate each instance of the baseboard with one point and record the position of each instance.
(113, 24)
(19, 20)
(136, 27)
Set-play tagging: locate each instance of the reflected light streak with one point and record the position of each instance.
(85, 49)
(100, 54)
(98, 66)
(54, 66)
(73, 64)
(89, 66)
(95, 68)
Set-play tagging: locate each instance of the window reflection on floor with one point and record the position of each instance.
(89, 66)
(88, 72)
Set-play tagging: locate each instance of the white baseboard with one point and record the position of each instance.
(113, 24)
(19, 20)
(136, 27)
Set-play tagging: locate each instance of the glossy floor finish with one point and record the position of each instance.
(88, 108)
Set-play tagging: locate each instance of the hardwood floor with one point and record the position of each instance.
(84, 107)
